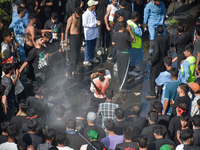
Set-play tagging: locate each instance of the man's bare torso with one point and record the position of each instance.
(28, 34)
(74, 25)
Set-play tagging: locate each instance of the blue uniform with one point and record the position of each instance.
(25, 18)
(155, 16)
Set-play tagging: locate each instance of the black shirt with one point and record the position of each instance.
(119, 125)
(191, 147)
(122, 41)
(159, 143)
(3, 138)
(101, 9)
(128, 146)
(125, 13)
(19, 121)
(178, 100)
(72, 141)
(138, 121)
(196, 138)
(38, 58)
(58, 125)
(164, 120)
(197, 47)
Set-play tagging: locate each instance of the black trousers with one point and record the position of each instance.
(180, 58)
(123, 61)
(75, 45)
(30, 69)
(102, 37)
(153, 75)
(109, 36)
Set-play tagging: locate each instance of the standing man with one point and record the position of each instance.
(75, 40)
(154, 14)
(90, 24)
(123, 10)
(197, 46)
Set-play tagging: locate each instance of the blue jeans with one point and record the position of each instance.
(153, 33)
(89, 49)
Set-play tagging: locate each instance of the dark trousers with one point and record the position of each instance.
(180, 58)
(153, 75)
(102, 36)
(109, 36)
(75, 45)
(123, 61)
(30, 70)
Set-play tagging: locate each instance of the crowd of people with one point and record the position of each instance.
(36, 41)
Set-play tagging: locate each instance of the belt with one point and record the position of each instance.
(124, 52)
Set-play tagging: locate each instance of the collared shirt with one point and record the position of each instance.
(107, 111)
(194, 109)
(44, 146)
(89, 23)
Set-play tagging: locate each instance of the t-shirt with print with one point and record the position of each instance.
(127, 146)
(122, 41)
(5, 50)
(38, 59)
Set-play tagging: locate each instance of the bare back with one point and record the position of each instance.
(29, 33)
(74, 25)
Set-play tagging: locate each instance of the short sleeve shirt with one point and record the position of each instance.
(5, 50)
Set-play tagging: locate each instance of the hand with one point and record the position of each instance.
(65, 45)
(144, 26)
(17, 72)
(150, 62)
(98, 23)
(52, 30)
(93, 75)
(171, 103)
(197, 69)
(108, 28)
(59, 50)
(128, 28)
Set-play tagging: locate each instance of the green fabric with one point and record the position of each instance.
(40, 78)
(123, 52)
(166, 147)
(93, 134)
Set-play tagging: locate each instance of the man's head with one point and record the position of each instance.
(136, 109)
(21, 4)
(181, 108)
(114, 2)
(2, 89)
(197, 33)
(187, 136)
(50, 134)
(12, 33)
(160, 29)
(47, 37)
(21, 11)
(92, 4)
(188, 50)
(7, 36)
(174, 73)
(157, 106)
(24, 105)
(12, 131)
(78, 12)
(32, 125)
(8, 68)
(182, 89)
(91, 117)
(109, 124)
(195, 88)
(120, 17)
(39, 40)
(156, 2)
(32, 113)
(54, 17)
(119, 113)
(196, 121)
(122, 26)
(142, 141)
(60, 111)
(4, 126)
(61, 137)
(38, 90)
(32, 17)
(184, 119)
(167, 61)
(127, 133)
(198, 104)
(152, 117)
(122, 4)
(158, 132)
(71, 124)
(135, 15)
(109, 93)
(180, 28)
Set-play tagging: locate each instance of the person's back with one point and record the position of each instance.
(4, 134)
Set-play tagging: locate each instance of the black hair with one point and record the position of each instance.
(1, 18)
(136, 109)
(53, 148)
(60, 137)
(54, 15)
(78, 10)
(20, 9)
(183, 106)
(50, 133)
(197, 80)
(71, 124)
(48, 35)
(119, 113)
(184, 87)
(12, 131)
(60, 111)
(189, 48)
(198, 102)
(101, 70)
(198, 29)
(196, 120)
(7, 67)
(167, 60)
(10, 30)
(174, 72)
(32, 125)
(31, 112)
(20, 3)
(32, 16)
(37, 36)
(22, 146)
(109, 124)
(2, 89)
(153, 116)
(160, 29)
(6, 33)
(180, 28)
(157, 106)
(186, 134)
(4, 126)
(185, 116)
(24, 105)
(38, 90)
(122, 25)
(134, 15)
(119, 15)
(158, 130)
(128, 133)
(142, 141)
(122, 3)
(109, 93)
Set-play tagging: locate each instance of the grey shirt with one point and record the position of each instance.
(197, 47)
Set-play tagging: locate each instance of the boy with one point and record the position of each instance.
(5, 48)
(189, 64)
(122, 42)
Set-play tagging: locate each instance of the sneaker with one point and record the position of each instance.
(124, 91)
(94, 60)
(99, 52)
(87, 64)
(166, 16)
(109, 58)
(150, 51)
(133, 73)
(136, 69)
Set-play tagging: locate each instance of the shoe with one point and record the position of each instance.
(136, 69)
(150, 51)
(87, 64)
(166, 16)
(150, 96)
(99, 52)
(94, 60)
(34, 83)
(109, 58)
(133, 73)
(124, 91)
(28, 81)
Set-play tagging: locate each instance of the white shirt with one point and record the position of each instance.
(180, 147)
(89, 23)
(64, 148)
(5, 50)
(8, 146)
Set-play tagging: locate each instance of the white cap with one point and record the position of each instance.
(92, 2)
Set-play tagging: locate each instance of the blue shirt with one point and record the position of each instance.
(171, 93)
(186, 69)
(25, 18)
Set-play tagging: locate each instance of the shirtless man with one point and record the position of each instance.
(75, 40)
